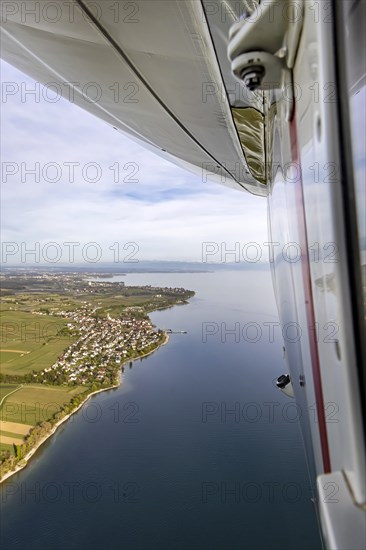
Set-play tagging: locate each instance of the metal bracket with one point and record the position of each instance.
(262, 47)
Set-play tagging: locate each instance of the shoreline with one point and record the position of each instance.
(29, 455)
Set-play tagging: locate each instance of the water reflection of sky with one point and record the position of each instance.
(215, 457)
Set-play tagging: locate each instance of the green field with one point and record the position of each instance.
(6, 389)
(35, 403)
(30, 405)
(30, 342)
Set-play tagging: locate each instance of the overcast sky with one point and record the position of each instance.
(167, 211)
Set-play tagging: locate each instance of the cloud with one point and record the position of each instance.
(76, 179)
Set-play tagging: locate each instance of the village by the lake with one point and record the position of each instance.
(64, 337)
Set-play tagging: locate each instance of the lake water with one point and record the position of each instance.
(196, 450)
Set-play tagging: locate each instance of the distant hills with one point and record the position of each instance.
(141, 267)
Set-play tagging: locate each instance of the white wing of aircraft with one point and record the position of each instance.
(265, 96)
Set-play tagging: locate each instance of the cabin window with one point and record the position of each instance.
(356, 83)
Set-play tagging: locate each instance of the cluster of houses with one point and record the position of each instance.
(103, 345)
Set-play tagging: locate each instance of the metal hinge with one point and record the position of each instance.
(262, 46)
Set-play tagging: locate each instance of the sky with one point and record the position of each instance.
(75, 196)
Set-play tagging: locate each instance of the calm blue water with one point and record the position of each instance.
(196, 450)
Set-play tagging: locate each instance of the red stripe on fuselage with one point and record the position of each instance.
(309, 304)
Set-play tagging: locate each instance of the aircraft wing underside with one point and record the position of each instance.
(149, 69)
